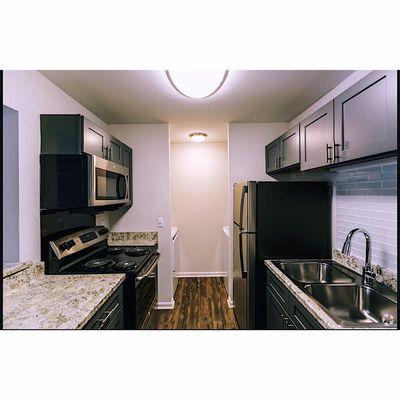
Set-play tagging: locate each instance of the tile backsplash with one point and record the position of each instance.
(366, 197)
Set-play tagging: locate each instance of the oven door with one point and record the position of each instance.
(110, 183)
(146, 292)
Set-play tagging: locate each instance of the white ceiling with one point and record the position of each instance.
(146, 96)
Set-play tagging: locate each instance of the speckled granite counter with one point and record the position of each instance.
(133, 238)
(32, 300)
(13, 268)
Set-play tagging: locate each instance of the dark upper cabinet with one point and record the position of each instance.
(316, 139)
(366, 117)
(290, 147)
(95, 139)
(272, 156)
(115, 150)
(75, 134)
(127, 156)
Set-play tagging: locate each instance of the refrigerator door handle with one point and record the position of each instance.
(244, 192)
(242, 267)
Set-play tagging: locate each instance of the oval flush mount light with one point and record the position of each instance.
(197, 84)
(198, 137)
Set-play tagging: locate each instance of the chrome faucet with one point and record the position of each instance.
(368, 273)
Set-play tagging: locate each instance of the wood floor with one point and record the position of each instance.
(200, 303)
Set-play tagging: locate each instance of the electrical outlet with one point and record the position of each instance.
(160, 222)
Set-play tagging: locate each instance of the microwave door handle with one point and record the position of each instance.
(126, 187)
(242, 266)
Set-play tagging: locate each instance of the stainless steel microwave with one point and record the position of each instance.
(69, 181)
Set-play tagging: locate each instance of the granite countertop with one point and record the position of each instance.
(13, 268)
(310, 304)
(33, 300)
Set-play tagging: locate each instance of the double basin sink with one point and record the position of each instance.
(342, 295)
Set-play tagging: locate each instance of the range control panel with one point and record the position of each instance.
(78, 241)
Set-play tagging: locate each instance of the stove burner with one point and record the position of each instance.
(136, 251)
(124, 265)
(115, 250)
(99, 263)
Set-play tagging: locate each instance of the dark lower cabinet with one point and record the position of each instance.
(111, 314)
(284, 312)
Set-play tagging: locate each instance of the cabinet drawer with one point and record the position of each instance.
(301, 318)
(278, 289)
(110, 314)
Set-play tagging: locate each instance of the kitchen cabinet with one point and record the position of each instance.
(272, 156)
(110, 316)
(366, 117)
(115, 150)
(283, 152)
(95, 139)
(127, 157)
(278, 318)
(290, 147)
(76, 134)
(316, 139)
(284, 312)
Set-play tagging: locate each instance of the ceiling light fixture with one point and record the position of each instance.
(197, 84)
(198, 137)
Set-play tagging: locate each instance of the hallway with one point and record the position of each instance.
(200, 303)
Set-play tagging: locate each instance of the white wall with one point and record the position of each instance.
(31, 94)
(11, 186)
(199, 199)
(151, 192)
(246, 144)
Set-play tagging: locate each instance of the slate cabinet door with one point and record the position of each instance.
(115, 150)
(110, 315)
(366, 117)
(127, 157)
(284, 312)
(95, 139)
(277, 318)
(290, 147)
(272, 156)
(316, 139)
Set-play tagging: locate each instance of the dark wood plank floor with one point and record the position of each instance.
(200, 303)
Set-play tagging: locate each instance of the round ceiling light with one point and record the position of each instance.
(197, 84)
(198, 137)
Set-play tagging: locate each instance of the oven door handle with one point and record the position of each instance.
(150, 270)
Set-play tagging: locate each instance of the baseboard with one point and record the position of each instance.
(230, 302)
(200, 274)
(165, 305)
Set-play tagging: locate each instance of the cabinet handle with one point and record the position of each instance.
(336, 148)
(287, 324)
(328, 154)
(279, 162)
(109, 153)
(105, 152)
(108, 316)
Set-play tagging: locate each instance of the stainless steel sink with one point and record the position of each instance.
(314, 272)
(354, 305)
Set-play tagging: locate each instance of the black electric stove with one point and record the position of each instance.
(87, 252)
(115, 259)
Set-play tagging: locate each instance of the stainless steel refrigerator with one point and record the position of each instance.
(274, 220)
